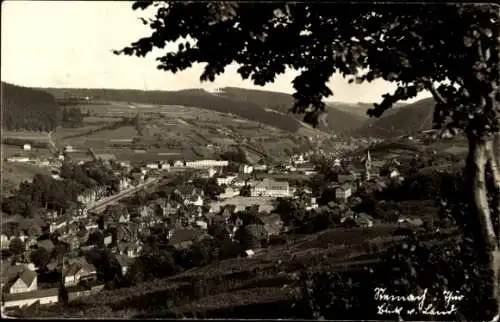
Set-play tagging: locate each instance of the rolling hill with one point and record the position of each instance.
(406, 120)
(29, 109)
(269, 108)
(339, 119)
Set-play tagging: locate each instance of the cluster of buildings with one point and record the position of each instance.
(186, 218)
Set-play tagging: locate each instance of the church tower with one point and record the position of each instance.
(368, 166)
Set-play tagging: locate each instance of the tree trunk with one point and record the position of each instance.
(493, 150)
(481, 153)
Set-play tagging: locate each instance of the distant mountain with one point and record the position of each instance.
(270, 108)
(405, 120)
(359, 109)
(338, 120)
(29, 109)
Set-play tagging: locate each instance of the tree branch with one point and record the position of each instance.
(435, 93)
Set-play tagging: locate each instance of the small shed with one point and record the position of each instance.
(27, 147)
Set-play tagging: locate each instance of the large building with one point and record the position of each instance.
(200, 164)
(271, 188)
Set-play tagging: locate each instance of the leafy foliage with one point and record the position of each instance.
(40, 257)
(292, 35)
(72, 117)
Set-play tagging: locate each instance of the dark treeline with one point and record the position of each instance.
(28, 109)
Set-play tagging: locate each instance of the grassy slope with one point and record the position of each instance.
(222, 288)
(196, 98)
(249, 104)
(238, 281)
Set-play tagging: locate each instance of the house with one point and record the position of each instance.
(343, 177)
(124, 262)
(4, 241)
(225, 180)
(108, 239)
(68, 149)
(72, 241)
(312, 204)
(154, 165)
(229, 192)
(43, 297)
(200, 164)
(260, 167)
(246, 169)
(201, 224)
(211, 172)
(393, 174)
(24, 281)
(359, 219)
(106, 157)
(411, 221)
(179, 164)
(194, 200)
(189, 190)
(248, 253)
(125, 183)
(238, 183)
(86, 288)
(183, 237)
(27, 147)
(131, 250)
(18, 159)
(343, 192)
(270, 188)
(363, 220)
(77, 272)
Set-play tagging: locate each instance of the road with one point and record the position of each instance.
(103, 203)
(51, 142)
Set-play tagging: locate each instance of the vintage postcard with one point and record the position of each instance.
(250, 160)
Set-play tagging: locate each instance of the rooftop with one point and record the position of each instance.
(49, 292)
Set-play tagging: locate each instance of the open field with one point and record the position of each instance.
(171, 127)
(27, 135)
(16, 151)
(15, 173)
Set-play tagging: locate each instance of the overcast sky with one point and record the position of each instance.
(70, 43)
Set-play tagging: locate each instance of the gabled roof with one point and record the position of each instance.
(48, 292)
(74, 268)
(9, 272)
(183, 235)
(27, 276)
(124, 261)
(345, 186)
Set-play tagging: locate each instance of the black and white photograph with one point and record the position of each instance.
(277, 160)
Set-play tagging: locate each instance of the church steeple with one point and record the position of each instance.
(368, 160)
(368, 166)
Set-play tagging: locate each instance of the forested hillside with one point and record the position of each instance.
(406, 120)
(338, 121)
(28, 109)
